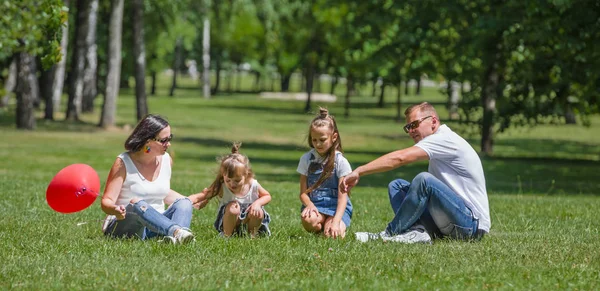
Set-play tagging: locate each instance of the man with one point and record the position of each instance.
(450, 200)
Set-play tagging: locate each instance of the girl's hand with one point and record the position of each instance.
(120, 209)
(334, 229)
(199, 200)
(309, 211)
(255, 210)
(200, 204)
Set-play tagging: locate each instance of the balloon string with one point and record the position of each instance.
(91, 220)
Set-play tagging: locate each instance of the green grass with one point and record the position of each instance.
(543, 190)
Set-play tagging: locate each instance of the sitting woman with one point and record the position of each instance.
(139, 186)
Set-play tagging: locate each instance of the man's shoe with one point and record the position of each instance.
(367, 236)
(409, 237)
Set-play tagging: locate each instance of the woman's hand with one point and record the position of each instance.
(120, 209)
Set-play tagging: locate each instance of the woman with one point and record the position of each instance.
(139, 186)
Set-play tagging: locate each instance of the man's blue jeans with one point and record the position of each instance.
(431, 203)
(145, 222)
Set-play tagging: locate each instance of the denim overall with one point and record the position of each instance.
(325, 197)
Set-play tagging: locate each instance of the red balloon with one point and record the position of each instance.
(73, 189)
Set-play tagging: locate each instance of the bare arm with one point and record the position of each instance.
(172, 197)
(310, 208)
(385, 163)
(341, 204)
(264, 197)
(114, 182)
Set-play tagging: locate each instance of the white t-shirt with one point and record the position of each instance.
(135, 185)
(455, 162)
(342, 166)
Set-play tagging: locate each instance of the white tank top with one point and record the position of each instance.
(245, 199)
(135, 185)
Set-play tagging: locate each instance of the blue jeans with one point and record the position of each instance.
(144, 222)
(429, 202)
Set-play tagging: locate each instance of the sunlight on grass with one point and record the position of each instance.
(543, 186)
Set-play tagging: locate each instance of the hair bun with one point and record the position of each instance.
(323, 112)
(235, 149)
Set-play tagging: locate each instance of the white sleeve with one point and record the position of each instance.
(303, 164)
(343, 167)
(438, 147)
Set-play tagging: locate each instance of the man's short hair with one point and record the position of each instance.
(422, 107)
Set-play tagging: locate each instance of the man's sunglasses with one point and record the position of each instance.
(164, 140)
(414, 124)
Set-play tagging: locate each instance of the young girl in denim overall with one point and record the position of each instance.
(325, 207)
(241, 198)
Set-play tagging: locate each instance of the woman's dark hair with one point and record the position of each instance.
(146, 129)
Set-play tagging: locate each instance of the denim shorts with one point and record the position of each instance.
(241, 229)
(327, 205)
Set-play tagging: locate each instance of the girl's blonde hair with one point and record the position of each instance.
(229, 165)
(323, 119)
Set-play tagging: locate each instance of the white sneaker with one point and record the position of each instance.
(409, 237)
(367, 236)
(168, 240)
(183, 236)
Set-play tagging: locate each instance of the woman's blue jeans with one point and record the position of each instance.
(429, 202)
(143, 221)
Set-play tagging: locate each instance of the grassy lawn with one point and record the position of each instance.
(542, 184)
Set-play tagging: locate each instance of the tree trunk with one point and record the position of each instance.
(11, 82)
(217, 75)
(90, 84)
(176, 66)
(27, 91)
(206, 59)
(453, 97)
(418, 89)
(348, 94)
(374, 81)
(239, 74)
(78, 62)
(309, 86)
(153, 83)
(381, 102)
(488, 100)
(257, 81)
(114, 64)
(45, 84)
(285, 82)
(58, 76)
(139, 54)
(406, 87)
(334, 82)
(399, 118)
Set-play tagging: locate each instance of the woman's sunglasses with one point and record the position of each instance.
(414, 124)
(165, 140)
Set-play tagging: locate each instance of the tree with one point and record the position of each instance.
(30, 28)
(57, 75)
(139, 54)
(90, 83)
(114, 65)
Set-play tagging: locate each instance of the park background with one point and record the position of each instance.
(517, 80)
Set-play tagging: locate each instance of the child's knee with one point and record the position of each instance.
(232, 208)
(313, 224)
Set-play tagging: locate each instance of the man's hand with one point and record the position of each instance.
(349, 181)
